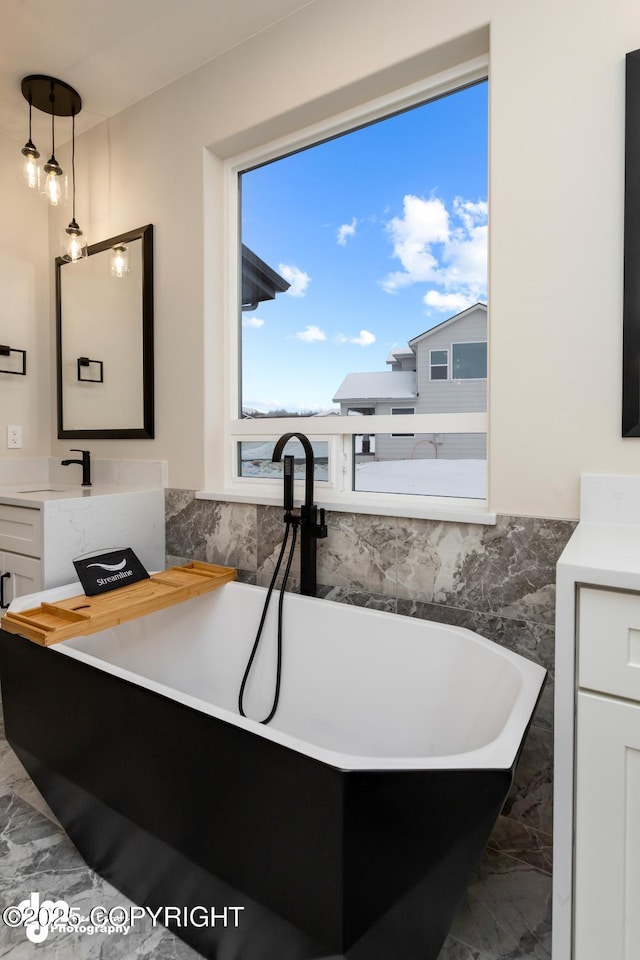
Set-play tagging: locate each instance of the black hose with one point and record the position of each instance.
(291, 522)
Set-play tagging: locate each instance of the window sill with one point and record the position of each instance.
(424, 508)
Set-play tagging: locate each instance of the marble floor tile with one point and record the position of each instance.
(530, 800)
(14, 779)
(456, 950)
(521, 842)
(37, 857)
(506, 913)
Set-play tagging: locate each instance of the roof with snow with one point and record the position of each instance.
(389, 385)
(398, 354)
(444, 323)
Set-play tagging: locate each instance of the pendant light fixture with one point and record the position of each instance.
(120, 262)
(58, 99)
(54, 172)
(30, 168)
(74, 242)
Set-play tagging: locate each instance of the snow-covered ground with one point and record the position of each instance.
(436, 478)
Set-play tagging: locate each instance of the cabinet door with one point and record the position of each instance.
(21, 530)
(25, 575)
(607, 852)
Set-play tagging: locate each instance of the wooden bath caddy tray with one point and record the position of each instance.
(77, 616)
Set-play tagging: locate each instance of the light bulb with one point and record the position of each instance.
(74, 243)
(52, 188)
(120, 265)
(30, 169)
(54, 183)
(75, 248)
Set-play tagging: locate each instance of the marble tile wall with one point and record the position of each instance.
(497, 580)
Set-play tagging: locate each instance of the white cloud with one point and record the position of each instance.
(345, 231)
(451, 302)
(311, 334)
(446, 249)
(364, 340)
(298, 279)
(252, 322)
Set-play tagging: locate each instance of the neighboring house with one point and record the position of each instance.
(259, 281)
(443, 370)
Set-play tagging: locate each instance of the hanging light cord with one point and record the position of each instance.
(52, 98)
(73, 164)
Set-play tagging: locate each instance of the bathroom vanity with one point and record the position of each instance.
(596, 874)
(44, 526)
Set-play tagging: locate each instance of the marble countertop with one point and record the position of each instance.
(605, 547)
(37, 494)
(603, 553)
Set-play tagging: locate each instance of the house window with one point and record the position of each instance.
(401, 411)
(469, 361)
(355, 236)
(438, 364)
(327, 270)
(254, 459)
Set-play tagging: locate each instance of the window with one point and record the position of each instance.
(401, 411)
(254, 459)
(439, 364)
(469, 361)
(356, 238)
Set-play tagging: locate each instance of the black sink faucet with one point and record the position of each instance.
(85, 463)
(312, 525)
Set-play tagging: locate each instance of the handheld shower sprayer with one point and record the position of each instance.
(288, 482)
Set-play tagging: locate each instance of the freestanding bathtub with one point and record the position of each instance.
(347, 827)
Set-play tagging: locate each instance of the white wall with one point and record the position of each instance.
(556, 210)
(24, 305)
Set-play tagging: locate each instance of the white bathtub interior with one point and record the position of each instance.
(360, 688)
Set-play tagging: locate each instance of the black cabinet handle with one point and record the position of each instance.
(3, 605)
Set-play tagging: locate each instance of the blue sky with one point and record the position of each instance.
(382, 233)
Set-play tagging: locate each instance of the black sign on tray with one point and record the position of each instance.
(108, 571)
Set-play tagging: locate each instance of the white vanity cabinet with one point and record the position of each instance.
(596, 781)
(607, 781)
(43, 530)
(20, 551)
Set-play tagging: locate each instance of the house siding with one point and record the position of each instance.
(420, 446)
(451, 396)
(435, 396)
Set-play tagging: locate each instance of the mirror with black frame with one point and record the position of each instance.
(104, 308)
(631, 299)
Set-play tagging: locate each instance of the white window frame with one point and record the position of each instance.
(336, 493)
(433, 379)
(457, 343)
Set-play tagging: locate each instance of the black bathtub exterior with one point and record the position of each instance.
(178, 808)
